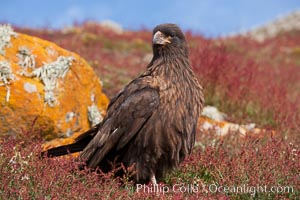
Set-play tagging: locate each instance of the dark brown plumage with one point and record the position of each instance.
(151, 123)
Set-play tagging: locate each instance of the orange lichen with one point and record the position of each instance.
(222, 128)
(26, 102)
(60, 141)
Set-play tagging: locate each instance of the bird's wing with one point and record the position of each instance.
(132, 109)
(88, 135)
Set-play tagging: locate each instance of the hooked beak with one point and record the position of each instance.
(160, 38)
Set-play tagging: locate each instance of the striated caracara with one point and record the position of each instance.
(151, 124)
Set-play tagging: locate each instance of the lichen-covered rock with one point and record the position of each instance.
(46, 88)
(222, 128)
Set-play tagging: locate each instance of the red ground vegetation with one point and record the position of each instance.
(250, 81)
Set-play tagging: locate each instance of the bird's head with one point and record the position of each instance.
(168, 38)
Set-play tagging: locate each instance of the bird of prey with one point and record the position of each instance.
(150, 124)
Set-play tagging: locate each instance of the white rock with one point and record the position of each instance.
(213, 113)
(282, 23)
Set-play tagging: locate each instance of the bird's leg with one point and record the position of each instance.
(153, 180)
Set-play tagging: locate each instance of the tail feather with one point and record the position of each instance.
(80, 143)
(63, 150)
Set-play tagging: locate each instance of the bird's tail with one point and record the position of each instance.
(80, 143)
(63, 150)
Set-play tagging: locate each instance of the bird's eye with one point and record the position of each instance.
(172, 34)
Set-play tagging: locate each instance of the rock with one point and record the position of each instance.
(283, 23)
(213, 120)
(213, 113)
(222, 128)
(46, 88)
